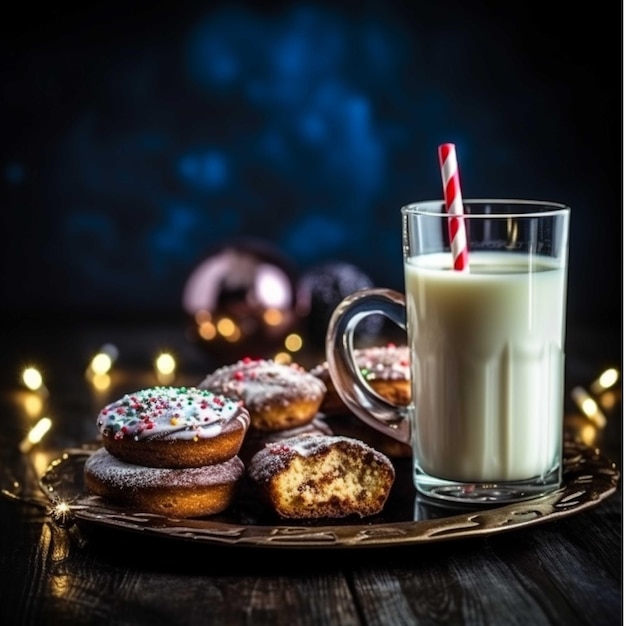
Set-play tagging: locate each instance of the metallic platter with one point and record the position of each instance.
(588, 479)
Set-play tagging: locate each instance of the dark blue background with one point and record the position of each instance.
(137, 137)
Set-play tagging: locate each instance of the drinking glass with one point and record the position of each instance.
(485, 421)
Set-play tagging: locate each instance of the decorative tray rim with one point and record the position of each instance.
(588, 478)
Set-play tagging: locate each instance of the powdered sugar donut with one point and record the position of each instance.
(186, 492)
(386, 369)
(173, 427)
(278, 396)
(322, 476)
(256, 440)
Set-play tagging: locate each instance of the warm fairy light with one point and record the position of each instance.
(588, 406)
(273, 317)
(165, 363)
(33, 404)
(39, 459)
(234, 336)
(101, 363)
(608, 400)
(282, 357)
(38, 431)
(100, 366)
(607, 379)
(293, 342)
(32, 378)
(165, 366)
(588, 434)
(229, 330)
(36, 434)
(226, 327)
(101, 382)
(207, 330)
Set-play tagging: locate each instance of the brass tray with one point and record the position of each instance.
(589, 478)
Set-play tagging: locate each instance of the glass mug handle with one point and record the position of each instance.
(357, 395)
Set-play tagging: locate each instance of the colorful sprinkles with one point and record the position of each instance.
(188, 412)
(261, 382)
(390, 362)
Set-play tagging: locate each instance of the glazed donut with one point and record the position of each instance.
(173, 427)
(177, 493)
(386, 369)
(322, 476)
(277, 396)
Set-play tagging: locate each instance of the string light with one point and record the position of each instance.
(283, 357)
(293, 342)
(101, 363)
(228, 329)
(35, 434)
(33, 404)
(101, 382)
(103, 360)
(588, 406)
(273, 317)
(165, 367)
(207, 330)
(33, 379)
(99, 368)
(605, 381)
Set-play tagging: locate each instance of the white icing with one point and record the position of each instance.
(390, 362)
(260, 383)
(169, 412)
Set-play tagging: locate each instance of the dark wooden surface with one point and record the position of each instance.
(567, 572)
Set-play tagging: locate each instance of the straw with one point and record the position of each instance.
(454, 205)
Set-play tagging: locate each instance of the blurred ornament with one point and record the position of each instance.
(322, 288)
(241, 300)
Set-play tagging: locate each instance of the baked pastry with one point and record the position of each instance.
(256, 440)
(277, 396)
(178, 493)
(386, 369)
(322, 476)
(349, 425)
(173, 427)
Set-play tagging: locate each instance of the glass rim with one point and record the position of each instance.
(537, 208)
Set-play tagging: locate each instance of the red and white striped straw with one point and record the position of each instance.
(454, 205)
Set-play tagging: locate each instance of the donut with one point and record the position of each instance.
(256, 440)
(173, 427)
(386, 369)
(350, 425)
(277, 396)
(177, 493)
(322, 476)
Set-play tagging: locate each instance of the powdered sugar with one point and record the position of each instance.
(260, 382)
(120, 475)
(277, 456)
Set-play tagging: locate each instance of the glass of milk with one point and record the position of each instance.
(486, 348)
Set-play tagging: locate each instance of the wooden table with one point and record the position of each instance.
(567, 571)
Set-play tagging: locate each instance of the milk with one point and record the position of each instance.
(487, 365)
